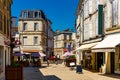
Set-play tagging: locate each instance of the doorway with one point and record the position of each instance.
(99, 60)
(112, 60)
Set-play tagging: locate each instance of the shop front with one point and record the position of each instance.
(109, 48)
(117, 60)
(85, 55)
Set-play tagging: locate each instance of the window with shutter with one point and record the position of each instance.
(85, 11)
(86, 31)
(97, 3)
(35, 40)
(25, 15)
(96, 26)
(114, 12)
(24, 26)
(100, 19)
(90, 28)
(24, 40)
(87, 8)
(65, 44)
(90, 6)
(36, 26)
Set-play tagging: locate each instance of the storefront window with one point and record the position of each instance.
(117, 60)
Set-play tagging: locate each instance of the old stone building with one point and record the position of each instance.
(61, 41)
(98, 21)
(34, 28)
(5, 14)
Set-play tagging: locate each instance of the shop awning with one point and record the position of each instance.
(108, 44)
(86, 46)
(30, 50)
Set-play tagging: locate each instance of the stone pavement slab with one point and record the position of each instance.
(64, 73)
(60, 72)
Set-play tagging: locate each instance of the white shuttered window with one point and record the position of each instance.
(90, 28)
(97, 3)
(96, 26)
(114, 12)
(90, 6)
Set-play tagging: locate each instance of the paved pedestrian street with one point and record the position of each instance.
(60, 72)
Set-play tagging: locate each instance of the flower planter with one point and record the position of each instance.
(14, 73)
(68, 61)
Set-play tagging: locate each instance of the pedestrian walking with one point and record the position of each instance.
(47, 59)
(56, 60)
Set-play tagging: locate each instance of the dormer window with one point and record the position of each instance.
(36, 15)
(25, 15)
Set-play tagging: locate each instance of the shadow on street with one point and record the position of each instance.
(52, 77)
(34, 73)
(117, 76)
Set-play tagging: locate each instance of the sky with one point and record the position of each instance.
(60, 12)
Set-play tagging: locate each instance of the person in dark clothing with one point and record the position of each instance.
(56, 60)
(47, 59)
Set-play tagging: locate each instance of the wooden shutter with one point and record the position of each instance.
(100, 19)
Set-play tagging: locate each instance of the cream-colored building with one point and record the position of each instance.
(100, 24)
(5, 12)
(34, 27)
(61, 41)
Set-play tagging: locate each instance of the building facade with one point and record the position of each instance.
(15, 34)
(50, 41)
(15, 37)
(5, 14)
(33, 28)
(61, 41)
(100, 22)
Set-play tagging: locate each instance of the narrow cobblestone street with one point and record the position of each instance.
(60, 72)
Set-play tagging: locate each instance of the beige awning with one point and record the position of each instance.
(16, 49)
(108, 44)
(86, 46)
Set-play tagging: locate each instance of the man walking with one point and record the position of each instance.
(57, 58)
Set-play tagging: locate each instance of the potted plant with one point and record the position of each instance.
(14, 71)
(70, 59)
